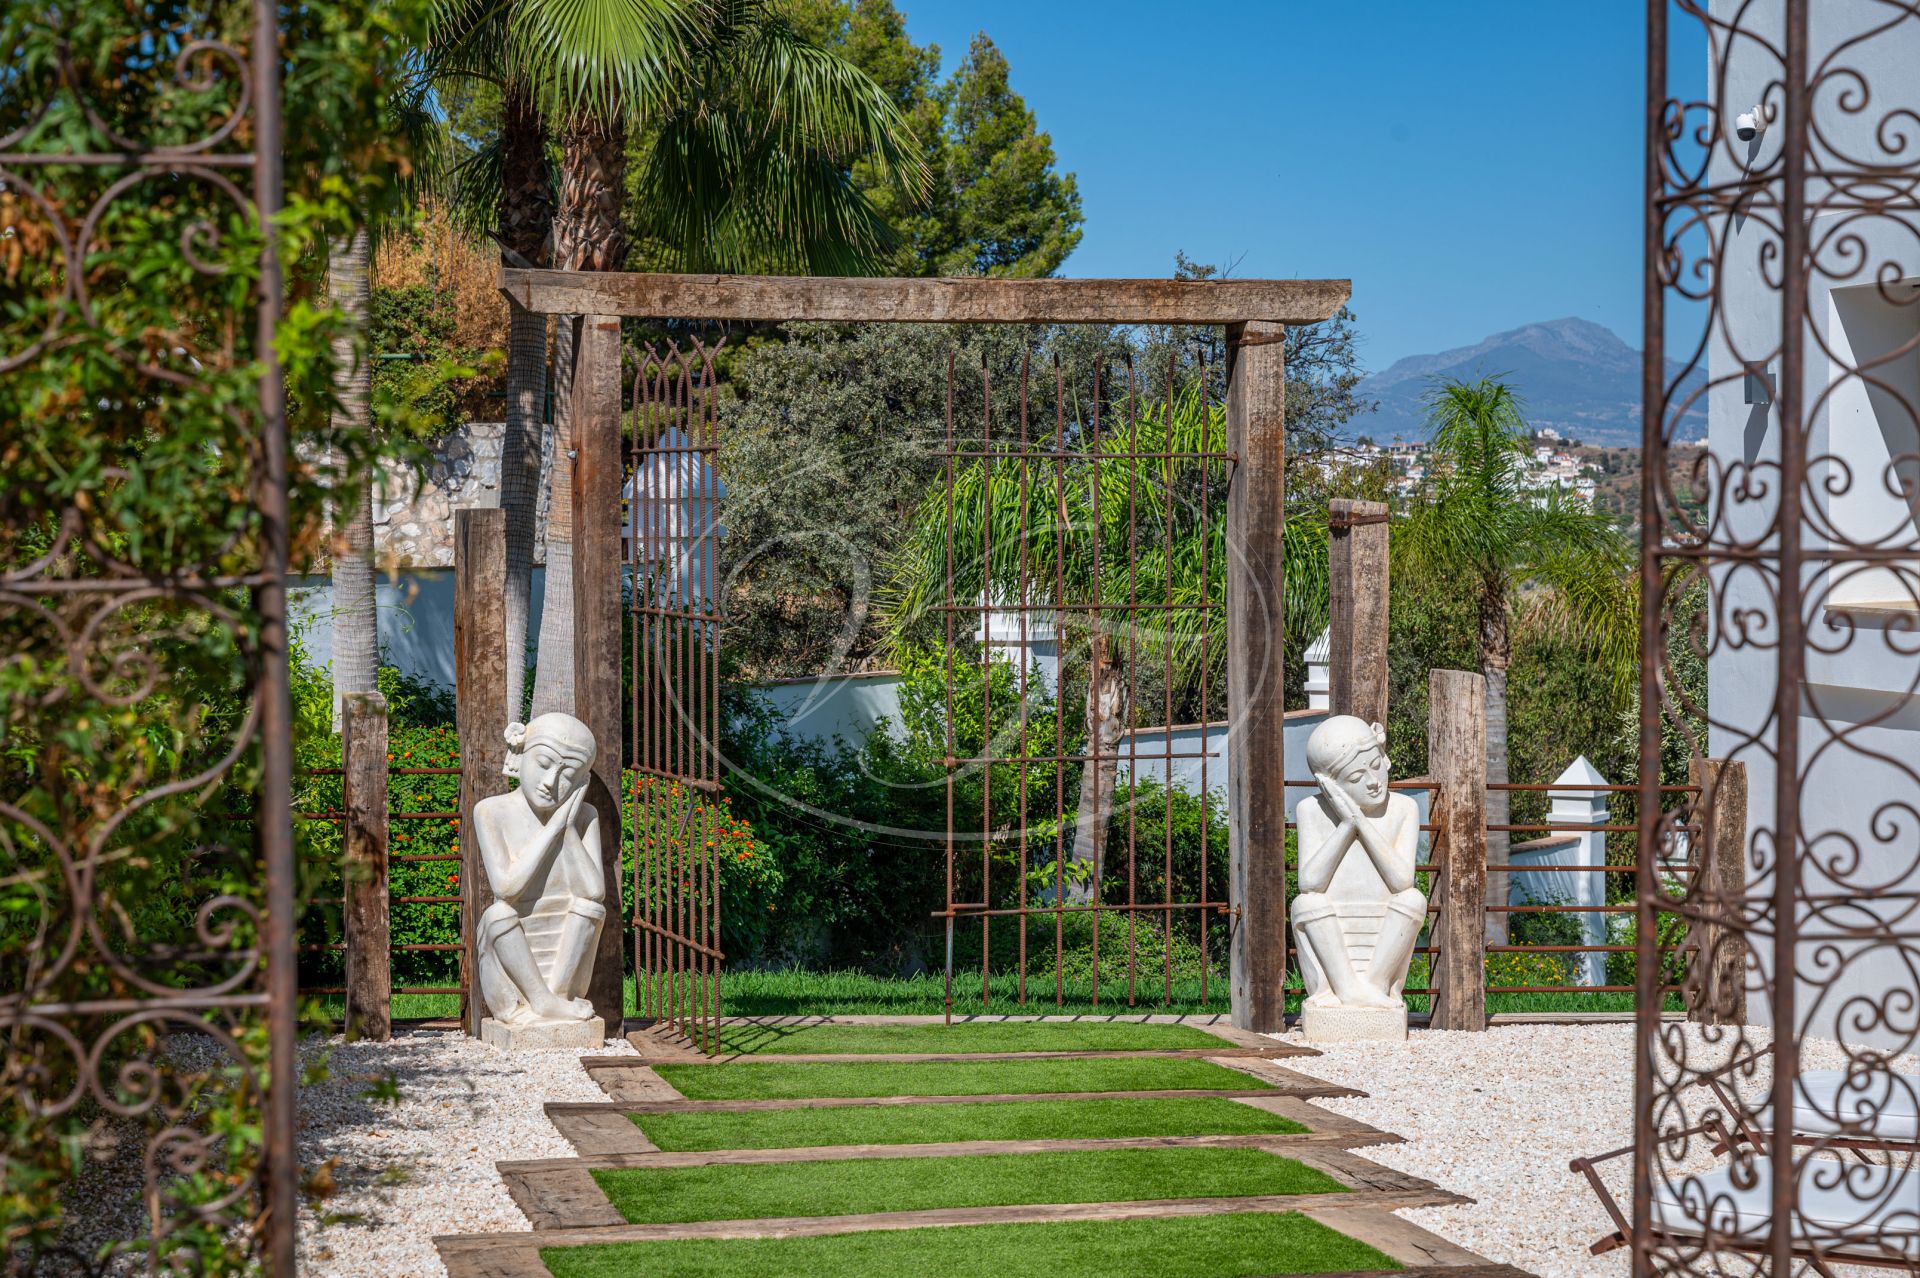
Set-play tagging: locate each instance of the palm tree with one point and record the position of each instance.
(749, 132)
(1104, 523)
(1476, 526)
(386, 196)
(355, 621)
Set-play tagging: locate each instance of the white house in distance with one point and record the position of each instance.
(1859, 719)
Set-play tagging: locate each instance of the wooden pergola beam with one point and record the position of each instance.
(936, 301)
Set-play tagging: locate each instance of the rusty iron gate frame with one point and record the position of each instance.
(1255, 314)
(74, 589)
(1748, 222)
(673, 741)
(1035, 464)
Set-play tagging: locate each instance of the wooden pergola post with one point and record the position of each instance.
(480, 681)
(1457, 760)
(596, 626)
(1357, 608)
(367, 908)
(1256, 677)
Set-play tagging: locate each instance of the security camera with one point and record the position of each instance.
(1749, 125)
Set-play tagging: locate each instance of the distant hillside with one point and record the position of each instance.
(1572, 374)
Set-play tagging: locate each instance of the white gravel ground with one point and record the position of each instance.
(1498, 1116)
(407, 1170)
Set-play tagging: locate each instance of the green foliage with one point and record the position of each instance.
(681, 832)
(419, 374)
(997, 204)
(828, 442)
(136, 429)
(731, 132)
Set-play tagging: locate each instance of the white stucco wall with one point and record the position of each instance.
(1859, 800)
(849, 708)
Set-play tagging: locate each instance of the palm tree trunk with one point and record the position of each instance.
(526, 228)
(588, 235)
(553, 668)
(520, 482)
(1496, 653)
(1106, 719)
(356, 637)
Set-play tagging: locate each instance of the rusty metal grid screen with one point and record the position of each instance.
(672, 500)
(1081, 613)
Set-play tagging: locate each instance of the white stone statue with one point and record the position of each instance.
(1358, 914)
(540, 845)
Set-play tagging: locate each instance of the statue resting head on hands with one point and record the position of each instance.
(540, 845)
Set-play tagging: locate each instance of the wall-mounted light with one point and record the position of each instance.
(1759, 387)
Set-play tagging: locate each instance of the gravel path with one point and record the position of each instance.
(1498, 1116)
(404, 1170)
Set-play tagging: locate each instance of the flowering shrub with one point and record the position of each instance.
(675, 828)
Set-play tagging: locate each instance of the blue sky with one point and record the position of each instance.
(1471, 165)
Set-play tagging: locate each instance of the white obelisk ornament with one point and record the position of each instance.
(1358, 914)
(540, 845)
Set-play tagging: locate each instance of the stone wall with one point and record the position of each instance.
(413, 518)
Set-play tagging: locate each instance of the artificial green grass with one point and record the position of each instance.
(752, 1191)
(799, 993)
(1226, 1246)
(939, 1123)
(966, 1036)
(790, 1080)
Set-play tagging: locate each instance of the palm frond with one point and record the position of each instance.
(603, 58)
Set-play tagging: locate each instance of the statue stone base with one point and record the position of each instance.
(541, 1035)
(544, 1035)
(1338, 1024)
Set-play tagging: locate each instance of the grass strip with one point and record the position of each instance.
(933, 1124)
(794, 1080)
(751, 1191)
(977, 1036)
(1226, 1246)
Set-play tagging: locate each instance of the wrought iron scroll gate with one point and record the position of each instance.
(673, 498)
(147, 980)
(1783, 273)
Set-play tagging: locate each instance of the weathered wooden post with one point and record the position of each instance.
(596, 619)
(1256, 766)
(1457, 760)
(480, 674)
(366, 911)
(1718, 993)
(1357, 613)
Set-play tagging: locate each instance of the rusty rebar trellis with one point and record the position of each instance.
(672, 528)
(1782, 263)
(149, 142)
(1095, 535)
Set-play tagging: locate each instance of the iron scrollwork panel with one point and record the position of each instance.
(1783, 319)
(145, 952)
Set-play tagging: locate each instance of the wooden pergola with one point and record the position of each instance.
(1256, 315)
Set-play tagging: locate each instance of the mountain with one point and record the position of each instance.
(1572, 375)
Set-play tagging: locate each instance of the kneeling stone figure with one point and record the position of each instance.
(1358, 914)
(540, 846)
